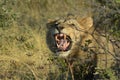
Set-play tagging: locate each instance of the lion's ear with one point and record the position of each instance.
(50, 23)
(86, 23)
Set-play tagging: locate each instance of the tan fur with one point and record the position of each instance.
(82, 32)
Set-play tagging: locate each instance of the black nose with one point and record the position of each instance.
(60, 27)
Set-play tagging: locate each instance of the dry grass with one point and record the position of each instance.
(24, 54)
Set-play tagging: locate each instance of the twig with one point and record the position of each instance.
(67, 73)
(70, 65)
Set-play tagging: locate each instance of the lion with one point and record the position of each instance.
(77, 38)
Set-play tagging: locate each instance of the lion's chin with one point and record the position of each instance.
(63, 54)
(63, 42)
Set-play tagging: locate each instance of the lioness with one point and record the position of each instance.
(76, 38)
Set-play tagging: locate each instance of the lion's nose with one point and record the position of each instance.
(60, 27)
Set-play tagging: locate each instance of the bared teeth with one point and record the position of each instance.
(63, 45)
(62, 42)
(60, 35)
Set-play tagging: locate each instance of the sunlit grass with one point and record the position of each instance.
(24, 47)
(118, 1)
(24, 54)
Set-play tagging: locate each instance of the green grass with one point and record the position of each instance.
(23, 50)
(24, 54)
(118, 1)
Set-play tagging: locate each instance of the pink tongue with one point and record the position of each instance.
(63, 44)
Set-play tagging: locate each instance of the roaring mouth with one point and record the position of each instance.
(63, 42)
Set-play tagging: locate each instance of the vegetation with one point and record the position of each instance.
(24, 54)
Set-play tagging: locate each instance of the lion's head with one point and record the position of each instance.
(64, 34)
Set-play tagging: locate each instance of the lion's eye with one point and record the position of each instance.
(72, 24)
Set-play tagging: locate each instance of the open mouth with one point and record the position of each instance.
(63, 42)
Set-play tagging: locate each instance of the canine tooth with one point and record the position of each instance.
(58, 46)
(67, 44)
(56, 38)
(65, 36)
